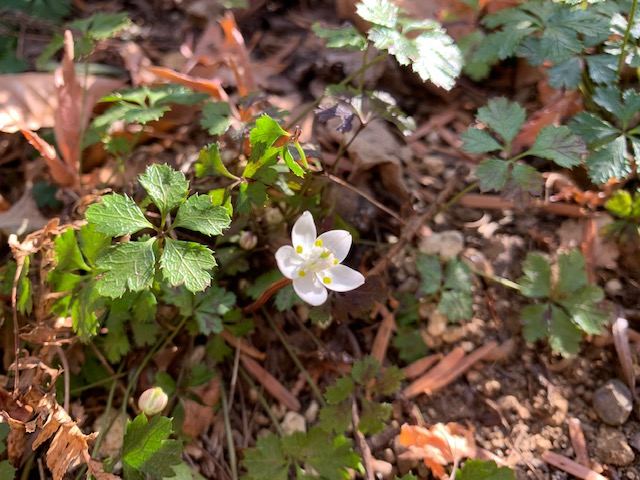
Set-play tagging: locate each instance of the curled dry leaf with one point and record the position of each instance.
(439, 445)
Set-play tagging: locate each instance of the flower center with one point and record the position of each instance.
(317, 258)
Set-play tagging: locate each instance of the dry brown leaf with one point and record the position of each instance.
(29, 100)
(197, 417)
(23, 217)
(439, 445)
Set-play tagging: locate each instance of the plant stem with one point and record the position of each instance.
(625, 40)
(266, 295)
(227, 427)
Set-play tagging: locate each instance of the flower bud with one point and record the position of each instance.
(153, 401)
(248, 240)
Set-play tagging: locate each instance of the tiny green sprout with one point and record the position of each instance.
(153, 401)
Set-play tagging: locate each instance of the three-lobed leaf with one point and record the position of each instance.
(215, 117)
(127, 266)
(210, 163)
(536, 281)
(475, 140)
(503, 117)
(493, 174)
(187, 263)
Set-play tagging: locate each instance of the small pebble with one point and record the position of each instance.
(293, 422)
(445, 244)
(612, 447)
(311, 413)
(613, 402)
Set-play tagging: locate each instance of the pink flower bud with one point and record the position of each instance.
(248, 240)
(153, 401)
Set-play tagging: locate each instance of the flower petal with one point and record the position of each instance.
(340, 278)
(310, 290)
(289, 262)
(338, 241)
(303, 233)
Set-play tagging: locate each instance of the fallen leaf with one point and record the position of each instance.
(23, 217)
(439, 445)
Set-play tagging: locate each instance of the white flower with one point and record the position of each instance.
(313, 263)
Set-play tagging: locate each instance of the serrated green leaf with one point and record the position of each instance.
(430, 271)
(339, 392)
(262, 282)
(83, 308)
(623, 109)
(215, 117)
(117, 215)
(188, 263)
(536, 320)
(609, 162)
(602, 68)
(268, 460)
(566, 75)
(564, 336)
(559, 145)
(210, 308)
(389, 381)
(525, 181)
(291, 163)
(457, 276)
(210, 163)
(128, 265)
(252, 193)
(91, 243)
(536, 281)
(484, 470)
(475, 140)
(167, 187)
(373, 416)
(492, 174)
(572, 274)
(147, 448)
(623, 205)
(378, 12)
(595, 131)
(456, 305)
(199, 214)
(503, 117)
(260, 157)
(365, 370)
(320, 315)
(266, 131)
(583, 309)
(347, 37)
(400, 46)
(67, 253)
(409, 345)
(336, 418)
(439, 59)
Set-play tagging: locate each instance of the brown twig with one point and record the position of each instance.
(572, 468)
(367, 456)
(270, 383)
(266, 295)
(383, 335)
(578, 442)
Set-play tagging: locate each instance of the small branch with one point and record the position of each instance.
(367, 457)
(266, 295)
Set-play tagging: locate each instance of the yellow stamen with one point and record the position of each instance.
(318, 243)
(326, 280)
(302, 273)
(299, 249)
(335, 261)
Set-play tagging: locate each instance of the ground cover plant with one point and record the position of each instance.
(246, 240)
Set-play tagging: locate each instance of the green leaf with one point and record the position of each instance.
(536, 281)
(101, 26)
(457, 276)
(623, 205)
(547, 320)
(251, 193)
(365, 370)
(503, 117)
(572, 275)
(262, 283)
(92, 243)
(525, 181)
(559, 145)
(320, 315)
(456, 305)
(129, 265)
(291, 163)
(188, 263)
(439, 59)
(285, 298)
(492, 174)
(268, 460)
(117, 215)
(347, 37)
(336, 417)
(378, 12)
(67, 253)
(266, 131)
(389, 381)
(602, 68)
(210, 163)
(623, 109)
(583, 309)
(83, 308)
(211, 307)
(199, 214)
(484, 470)
(373, 416)
(147, 449)
(339, 392)
(215, 117)
(479, 141)
(430, 271)
(7, 471)
(595, 131)
(566, 75)
(167, 187)
(609, 162)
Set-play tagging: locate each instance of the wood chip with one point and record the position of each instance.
(573, 468)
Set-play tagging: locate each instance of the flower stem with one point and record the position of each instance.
(625, 40)
(266, 295)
